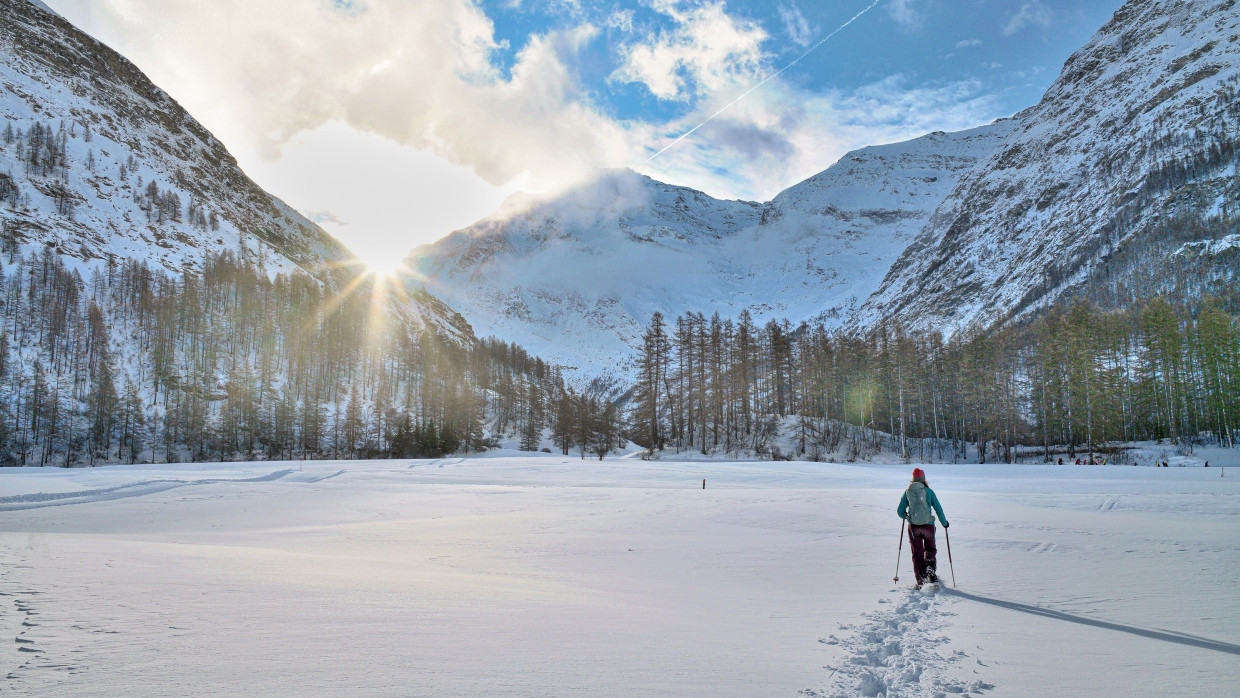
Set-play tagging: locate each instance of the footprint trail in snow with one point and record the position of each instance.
(899, 651)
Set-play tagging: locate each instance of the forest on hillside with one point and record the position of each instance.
(135, 364)
(1074, 381)
(116, 361)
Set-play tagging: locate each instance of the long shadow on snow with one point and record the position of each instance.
(1164, 635)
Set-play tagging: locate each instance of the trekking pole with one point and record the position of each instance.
(949, 556)
(899, 552)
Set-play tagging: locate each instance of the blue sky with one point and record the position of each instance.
(396, 121)
(1012, 49)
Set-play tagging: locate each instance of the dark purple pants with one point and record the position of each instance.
(921, 542)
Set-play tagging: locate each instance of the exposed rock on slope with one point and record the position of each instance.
(1141, 126)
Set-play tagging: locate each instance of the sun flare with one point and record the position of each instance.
(378, 264)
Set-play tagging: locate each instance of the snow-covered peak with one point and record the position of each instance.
(575, 277)
(867, 178)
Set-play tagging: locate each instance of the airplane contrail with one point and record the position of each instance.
(765, 80)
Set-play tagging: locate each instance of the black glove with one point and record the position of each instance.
(946, 525)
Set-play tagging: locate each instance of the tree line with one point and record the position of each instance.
(115, 361)
(131, 363)
(1074, 380)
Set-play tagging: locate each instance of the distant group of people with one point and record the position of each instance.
(1089, 461)
(1103, 461)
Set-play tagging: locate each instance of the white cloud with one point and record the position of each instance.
(968, 43)
(621, 19)
(706, 51)
(782, 135)
(906, 14)
(377, 198)
(795, 24)
(1031, 14)
(422, 74)
(320, 92)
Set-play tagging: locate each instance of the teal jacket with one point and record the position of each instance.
(931, 499)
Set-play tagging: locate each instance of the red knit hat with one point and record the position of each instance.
(919, 474)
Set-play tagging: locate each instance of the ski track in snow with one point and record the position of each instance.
(895, 653)
(438, 462)
(36, 500)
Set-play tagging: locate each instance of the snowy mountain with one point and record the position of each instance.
(575, 278)
(98, 164)
(1138, 132)
(156, 304)
(944, 232)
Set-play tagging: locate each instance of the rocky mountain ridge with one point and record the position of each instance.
(122, 149)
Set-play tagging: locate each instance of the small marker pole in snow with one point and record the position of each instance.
(703, 483)
(950, 566)
(899, 552)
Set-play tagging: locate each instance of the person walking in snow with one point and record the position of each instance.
(919, 505)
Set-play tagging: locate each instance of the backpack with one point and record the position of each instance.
(918, 507)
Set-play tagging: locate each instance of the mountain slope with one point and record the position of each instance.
(99, 165)
(155, 304)
(576, 278)
(113, 151)
(1140, 128)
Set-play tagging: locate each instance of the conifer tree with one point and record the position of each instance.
(650, 405)
(353, 424)
(564, 426)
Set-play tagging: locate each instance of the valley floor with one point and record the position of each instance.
(537, 575)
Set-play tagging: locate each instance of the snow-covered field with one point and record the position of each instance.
(537, 575)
